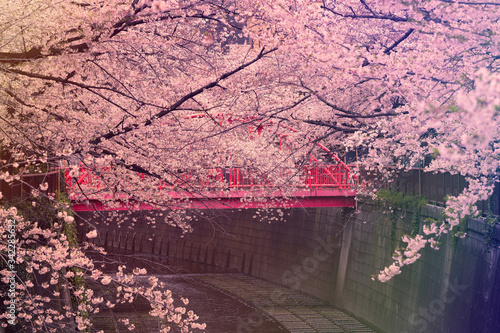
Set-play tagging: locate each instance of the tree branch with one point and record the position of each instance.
(183, 99)
(89, 88)
(20, 101)
(372, 16)
(15, 58)
(396, 43)
(367, 8)
(473, 3)
(128, 22)
(329, 125)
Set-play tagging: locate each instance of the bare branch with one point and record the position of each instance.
(473, 3)
(92, 89)
(399, 41)
(389, 17)
(20, 101)
(183, 99)
(367, 8)
(329, 125)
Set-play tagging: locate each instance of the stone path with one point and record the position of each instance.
(236, 303)
(295, 311)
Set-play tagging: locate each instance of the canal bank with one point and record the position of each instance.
(331, 254)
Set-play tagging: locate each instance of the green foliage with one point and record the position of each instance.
(44, 211)
(38, 210)
(415, 223)
(39, 168)
(69, 228)
(460, 38)
(389, 198)
(394, 200)
(489, 231)
(394, 224)
(459, 231)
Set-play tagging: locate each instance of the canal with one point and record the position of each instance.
(226, 301)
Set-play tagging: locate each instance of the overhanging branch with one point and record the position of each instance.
(399, 41)
(353, 15)
(181, 101)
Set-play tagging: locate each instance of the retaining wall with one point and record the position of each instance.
(455, 289)
(301, 252)
(332, 254)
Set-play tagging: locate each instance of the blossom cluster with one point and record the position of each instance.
(175, 89)
(50, 269)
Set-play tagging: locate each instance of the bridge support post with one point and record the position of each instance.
(338, 290)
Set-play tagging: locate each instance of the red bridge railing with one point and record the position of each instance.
(314, 176)
(337, 176)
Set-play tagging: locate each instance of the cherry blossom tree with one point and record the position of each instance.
(170, 88)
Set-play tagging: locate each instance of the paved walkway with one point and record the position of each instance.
(295, 311)
(235, 303)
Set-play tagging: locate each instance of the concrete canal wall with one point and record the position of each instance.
(454, 289)
(332, 254)
(301, 252)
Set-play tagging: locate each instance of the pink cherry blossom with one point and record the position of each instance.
(137, 96)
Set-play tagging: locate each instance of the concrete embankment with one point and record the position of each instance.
(331, 254)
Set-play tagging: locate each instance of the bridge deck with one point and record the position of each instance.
(236, 200)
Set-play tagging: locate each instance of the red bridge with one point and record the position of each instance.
(223, 188)
(317, 185)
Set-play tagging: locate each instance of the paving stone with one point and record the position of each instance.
(248, 301)
(297, 312)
